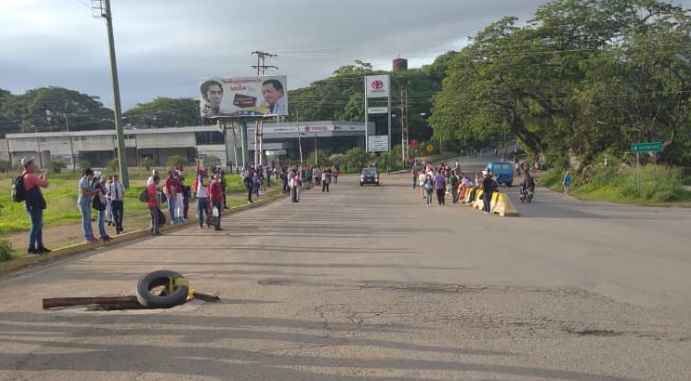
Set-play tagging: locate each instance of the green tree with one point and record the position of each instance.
(582, 78)
(49, 109)
(165, 112)
(7, 124)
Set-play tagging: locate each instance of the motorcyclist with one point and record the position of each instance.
(528, 184)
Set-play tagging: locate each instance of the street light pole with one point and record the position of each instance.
(297, 128)
(316, 151)
(69, 136)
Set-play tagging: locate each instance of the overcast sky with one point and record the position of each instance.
(165, 46)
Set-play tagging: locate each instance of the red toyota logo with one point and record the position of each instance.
(377, 84)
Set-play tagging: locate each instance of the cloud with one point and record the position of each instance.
(164, 47)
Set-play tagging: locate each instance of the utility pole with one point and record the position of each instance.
(403, 107)
(104, 11)
(261, 62)
(259, 125)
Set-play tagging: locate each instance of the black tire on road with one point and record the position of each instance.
(175, 289)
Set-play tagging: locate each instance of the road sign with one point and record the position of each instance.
(277, 152)
(414, 144)
(377, 110)
(429, 148)
(646, 147)
(378, 143)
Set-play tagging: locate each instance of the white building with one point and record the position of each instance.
(280, 140)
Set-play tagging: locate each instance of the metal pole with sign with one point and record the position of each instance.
(639, 148)
(377, 86)
(366, 119)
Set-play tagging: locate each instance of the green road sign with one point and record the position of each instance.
(646, 147)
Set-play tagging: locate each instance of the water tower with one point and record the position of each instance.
(400, 64)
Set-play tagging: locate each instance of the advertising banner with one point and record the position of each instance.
(241, 97)
(378, 86)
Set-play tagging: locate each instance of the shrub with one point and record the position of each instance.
(211, 161)
(322, 158)
(5, 166)
(113, 165)
(356, 158)
(146, 163)
(177, 160)
(56, 166)
(5, 250)
(84, 164)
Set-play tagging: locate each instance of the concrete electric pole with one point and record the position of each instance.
(259, 125)
(101, 8)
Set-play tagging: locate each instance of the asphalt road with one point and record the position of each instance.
(368, 283)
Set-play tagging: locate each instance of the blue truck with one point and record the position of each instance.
(503, 171)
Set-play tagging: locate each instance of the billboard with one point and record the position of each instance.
(378, 86)
(239, 97)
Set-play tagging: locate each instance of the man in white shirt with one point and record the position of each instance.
(203, 181)
(117, 194)
(150, 180)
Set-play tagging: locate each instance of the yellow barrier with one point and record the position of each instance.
(504, 207)
(500, 204)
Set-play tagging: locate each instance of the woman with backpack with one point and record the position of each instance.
(27, 188)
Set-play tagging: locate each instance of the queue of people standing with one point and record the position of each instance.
(106, 195)
(443, 180)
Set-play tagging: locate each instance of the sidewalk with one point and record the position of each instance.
(69, 234)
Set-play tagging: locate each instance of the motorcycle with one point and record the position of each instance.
(527, 195)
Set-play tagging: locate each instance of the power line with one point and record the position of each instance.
(261, 62)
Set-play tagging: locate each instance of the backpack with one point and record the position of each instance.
(144, 196)
(247, 181)
(18, 191)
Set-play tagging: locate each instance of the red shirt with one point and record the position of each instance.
(152, 191)
(216, 192)
(30, 181)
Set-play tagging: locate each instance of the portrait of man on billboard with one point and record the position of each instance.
(274, 97)
(212, 95)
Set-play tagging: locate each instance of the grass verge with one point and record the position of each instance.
(653, 186)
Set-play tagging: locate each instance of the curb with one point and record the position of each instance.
(79, 248)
